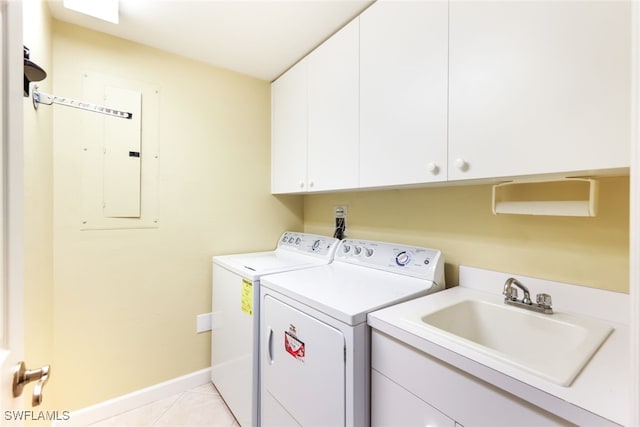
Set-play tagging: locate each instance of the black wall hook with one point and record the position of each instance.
(32, 71)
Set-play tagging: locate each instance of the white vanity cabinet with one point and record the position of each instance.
(289, 131)
(414, 388)
(394, 406)
(314, 144)
(538, 87)
(403, 93)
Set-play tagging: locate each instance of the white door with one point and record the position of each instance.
(403, 93)
(538, 87)
(303, 368)
(333, 112)
(289, 131)
(11, 205)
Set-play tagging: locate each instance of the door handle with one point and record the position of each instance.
(270, 346)
(23, 376)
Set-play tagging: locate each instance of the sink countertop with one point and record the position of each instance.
(602, 388)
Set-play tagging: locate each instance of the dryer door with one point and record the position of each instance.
(303, 368)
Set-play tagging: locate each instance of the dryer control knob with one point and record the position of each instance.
(315, 245)
(403, 258)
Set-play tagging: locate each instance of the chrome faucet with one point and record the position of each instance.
(510, 292)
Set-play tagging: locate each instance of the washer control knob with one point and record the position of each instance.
(368, 252)
(298, 240)
(315, 245)
(357, 250)
(291, 239)
(403, 258)
(346, 248)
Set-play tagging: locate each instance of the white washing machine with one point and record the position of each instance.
(236, 314)
(315, 342)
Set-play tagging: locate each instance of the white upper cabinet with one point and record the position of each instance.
(289, 131)
(333, 112)
(403, 93)
(538, 87)
(413, 92)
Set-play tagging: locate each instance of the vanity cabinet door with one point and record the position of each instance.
(445, 390)
(393, 406)
(403, 93)
(538, 87)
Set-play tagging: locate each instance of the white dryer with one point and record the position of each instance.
(315, 342)
(236, 314)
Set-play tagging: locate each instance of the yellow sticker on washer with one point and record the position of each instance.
(246, 303)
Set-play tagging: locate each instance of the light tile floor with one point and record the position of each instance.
(201, 406)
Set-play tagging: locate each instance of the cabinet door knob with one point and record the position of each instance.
(311, 184)
(301, 183)
(433, 168)
(462, 165)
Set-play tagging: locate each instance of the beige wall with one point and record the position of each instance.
(114, 311)
(125, 301)
(38, 170)
(458, 221)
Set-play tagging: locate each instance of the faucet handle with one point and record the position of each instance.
(511, 293)
(544, 300)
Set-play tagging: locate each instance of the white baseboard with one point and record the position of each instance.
(127, 402)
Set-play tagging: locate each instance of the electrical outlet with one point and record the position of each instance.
(204, 322)
(340, 216)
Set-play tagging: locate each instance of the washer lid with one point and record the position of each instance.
(254, 265)
(347, 292)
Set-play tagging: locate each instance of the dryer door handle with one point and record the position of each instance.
(270, 346)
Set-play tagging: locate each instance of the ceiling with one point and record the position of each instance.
(260, 38)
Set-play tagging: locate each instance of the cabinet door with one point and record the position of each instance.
(333, 112)
(538, 87)
(403, 93)
(394, 406)
(289, 131)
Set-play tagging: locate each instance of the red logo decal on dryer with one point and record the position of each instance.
(294, 346)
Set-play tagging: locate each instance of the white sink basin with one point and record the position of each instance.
(555, 347)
